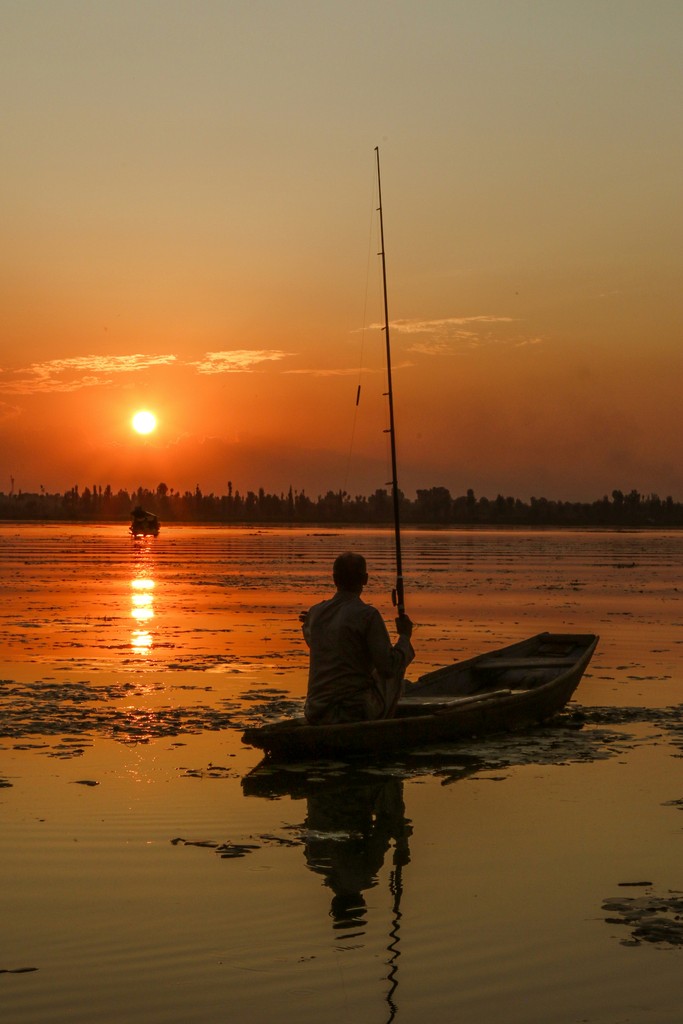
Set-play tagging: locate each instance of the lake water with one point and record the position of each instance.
(153, 871)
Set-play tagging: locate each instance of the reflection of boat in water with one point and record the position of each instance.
(506, 690)
(351, 820)
(144, 524)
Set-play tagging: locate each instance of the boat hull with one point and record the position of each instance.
(510, 689)
(144, 531)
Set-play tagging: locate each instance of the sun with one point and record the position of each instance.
(144, 422)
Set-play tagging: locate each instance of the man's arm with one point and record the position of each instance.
(389, 659)
(305, 627)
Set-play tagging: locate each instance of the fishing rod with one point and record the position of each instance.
(397, 595)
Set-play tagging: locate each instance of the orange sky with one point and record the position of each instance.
(189, 226)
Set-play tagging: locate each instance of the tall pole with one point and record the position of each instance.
(398, 594)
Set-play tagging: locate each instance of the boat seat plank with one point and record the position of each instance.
(540, 662)
(448, 702)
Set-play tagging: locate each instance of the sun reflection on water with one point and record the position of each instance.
(142, 611)
(141, 641)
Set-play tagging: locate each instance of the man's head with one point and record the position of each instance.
(350, 572)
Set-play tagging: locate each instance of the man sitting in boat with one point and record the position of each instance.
(355, 673)
(143, 521)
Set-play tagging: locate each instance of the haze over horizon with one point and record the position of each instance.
(190, 227)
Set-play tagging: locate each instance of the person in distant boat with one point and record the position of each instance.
(355, 672)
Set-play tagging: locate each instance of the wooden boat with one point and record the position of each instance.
(506, 690)
(144, 524)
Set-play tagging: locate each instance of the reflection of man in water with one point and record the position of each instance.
(349, 830)
(355, 672)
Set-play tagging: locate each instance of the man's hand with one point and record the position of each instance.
(404, 626)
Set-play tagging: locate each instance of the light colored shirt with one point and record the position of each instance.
(349, 647)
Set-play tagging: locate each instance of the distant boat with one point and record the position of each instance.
(144, 524)
(506, 690)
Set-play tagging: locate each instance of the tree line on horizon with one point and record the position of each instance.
(433, 506)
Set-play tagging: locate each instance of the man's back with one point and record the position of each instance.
(350, 655)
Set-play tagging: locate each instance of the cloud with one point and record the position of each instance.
(238, 360)
(444, 325)
(353, 371)
(76, 373)
(64, 375)
(8, 412)
(429, 348)
(528, 341)
(111, 364)
(348, 372)
(438, 336)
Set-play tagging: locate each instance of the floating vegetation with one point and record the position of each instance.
(35, 712)
(212, 771)
(226, 851)
(651, 918)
